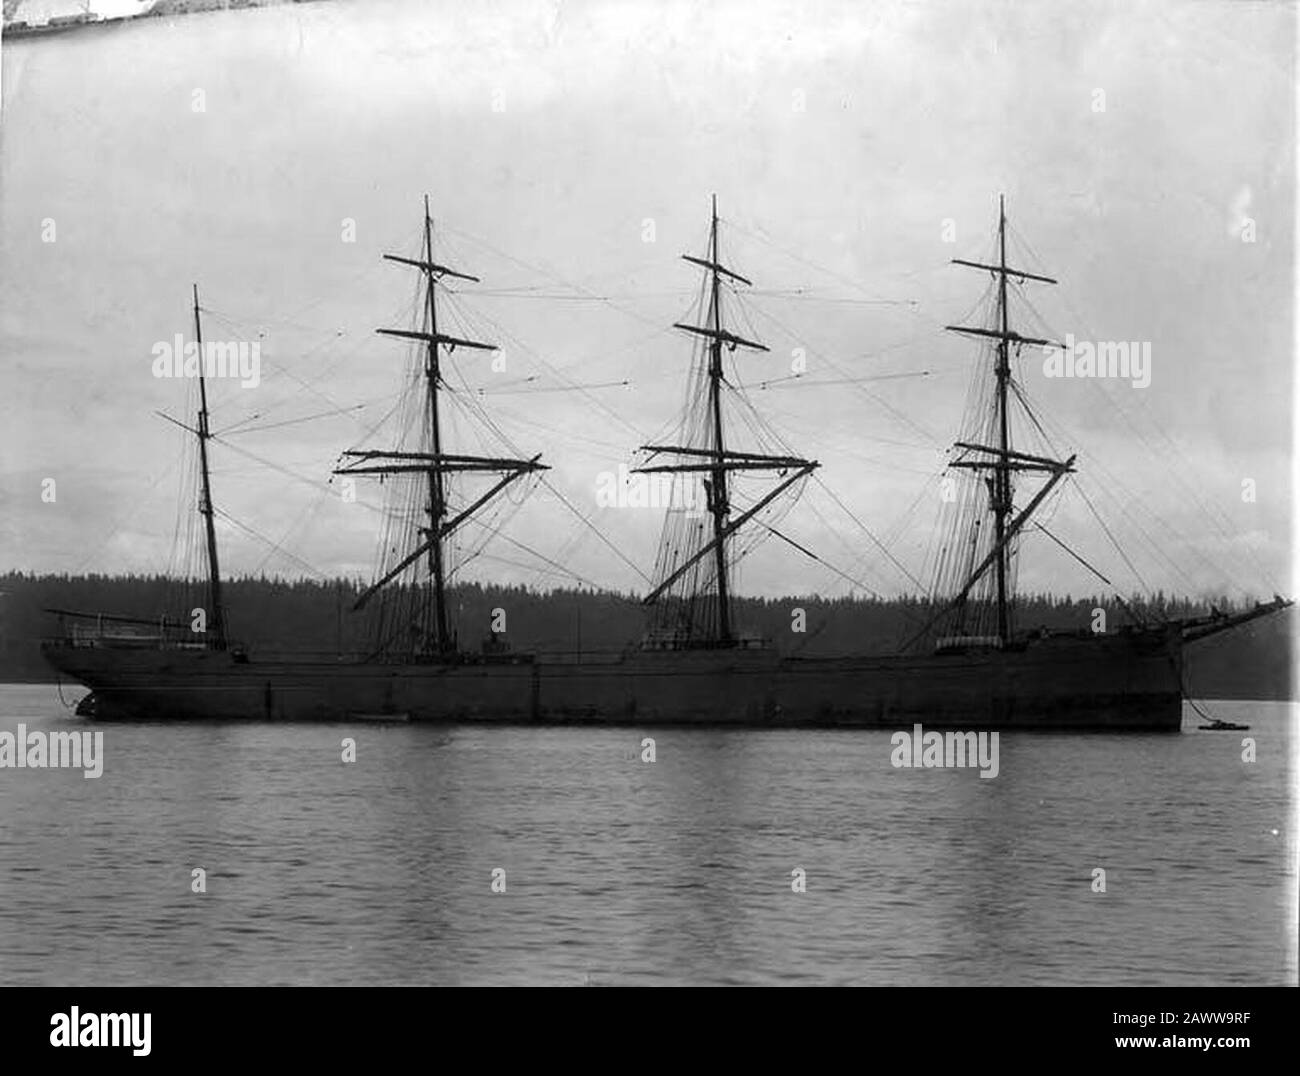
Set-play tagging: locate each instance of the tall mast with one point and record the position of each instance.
(1001, 476)
(716, 461)
(435, 465)
(205, 503)
(437, 504)
(717, 500)
(1001, 459)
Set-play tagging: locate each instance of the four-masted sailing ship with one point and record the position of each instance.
(967, 666)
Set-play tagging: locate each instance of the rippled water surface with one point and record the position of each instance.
(622, 871)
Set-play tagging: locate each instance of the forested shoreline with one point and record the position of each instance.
(281, 615)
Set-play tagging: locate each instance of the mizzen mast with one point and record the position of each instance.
(204, 433)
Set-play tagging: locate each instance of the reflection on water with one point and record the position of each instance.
(620, 871)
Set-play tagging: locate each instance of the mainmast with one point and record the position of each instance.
(716, 490)
(715, 460)
(437, 502)
(439, 640)
(205, 502)
(1001, 460)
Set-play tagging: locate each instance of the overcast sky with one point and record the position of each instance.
(1146, 151)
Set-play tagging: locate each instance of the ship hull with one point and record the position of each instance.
(1128, 682)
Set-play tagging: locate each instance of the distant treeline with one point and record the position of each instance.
(271, 614)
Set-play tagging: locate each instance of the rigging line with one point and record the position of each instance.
(857, 555)
(497, 533)
(270, 321)
(604, 354)
(274, 546)
(1157, 548)
(528, 379)
(565, 554)
(758, 425)
(596, 530)
(1264, 571)
(1022, 242)
(804, 293)
(467, 551)
(275, 366)
(548, 273)
(865, 530)
(404, 309)
(187, 480)
(256, 331)
(1032, 316)
(1124, 511)
(858, 559)
(800, 424)
(984, 302)
(500, 332)
(618, 447)
(518, 289)
(464, 399)
(625, 383)
(1123, 604)
(294, 421)
(398, 400)
(1064, 432)
(911, 341)
(356, 355)
(505, 293)
(932, 478)
(308, 512)
(855, 285)
(365, 271)
(1024, 402)
(884, 463)
(522, 566)
(1175, 472)
(1102, 523)
(739, 308)
(559, 374)
(1220, 520)
(465, 562)
(129, 515)
(321, 374)
(826, 564)
(316, 485)
(236, 427)
(776, 381)
(905, 419)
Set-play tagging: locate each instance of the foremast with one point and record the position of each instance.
(999, 462)
(714, 459)
(438, 639)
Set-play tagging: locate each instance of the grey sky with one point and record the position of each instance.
(845, 142)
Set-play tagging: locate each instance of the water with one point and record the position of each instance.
(625, 872)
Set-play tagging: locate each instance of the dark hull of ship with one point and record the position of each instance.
(1112, 682)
